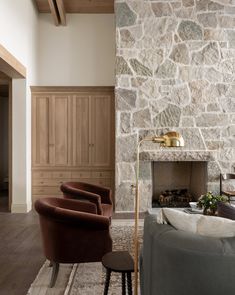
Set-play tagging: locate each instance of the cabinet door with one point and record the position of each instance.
(40, 130)
(101, 129)
(81, 134)
(60, 130)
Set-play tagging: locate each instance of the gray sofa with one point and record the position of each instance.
(174, 262)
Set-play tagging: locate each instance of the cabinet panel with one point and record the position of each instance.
(41, 110)
(46, 191)
(101, 174)
(42, 175)
(81, 138)
(61, 174)
(81, 174)
(49, 182)
(61, 130)
(101, 130)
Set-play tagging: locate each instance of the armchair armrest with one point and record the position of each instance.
(82, 219)
(75, 193)
(104, 192)
(77, 205)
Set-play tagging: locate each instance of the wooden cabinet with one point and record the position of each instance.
(51, 130)
(72, 137)
(101, 113)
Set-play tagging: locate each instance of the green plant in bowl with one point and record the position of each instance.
(209, 201)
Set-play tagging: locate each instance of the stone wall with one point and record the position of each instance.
(175, 69)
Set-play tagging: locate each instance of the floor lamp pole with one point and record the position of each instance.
(137, 206)
(136, 238)
(170, 139)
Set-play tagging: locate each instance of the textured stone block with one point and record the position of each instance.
(125, 197)
(209, 55)
(125, 123)
(142, 119)
(139, 68)
(189, 30)
(126, 172)
(161, 9)
(122, 67)
(180, 54)
(170, 117)
(166, 70)
(207, 19)
(124, 15)
(126, 39)
(188, 3)
(126, 148)
(187, 122)
(210, 120)
(126, 99)
(180, 95)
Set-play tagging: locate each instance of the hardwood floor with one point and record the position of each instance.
(21, 254)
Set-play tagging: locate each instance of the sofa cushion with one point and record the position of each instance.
(226, 210)
(181, 220)
(209, 226)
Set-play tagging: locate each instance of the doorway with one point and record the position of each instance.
(5, 154)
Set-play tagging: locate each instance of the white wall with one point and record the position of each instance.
(19, 35)
(80, 54)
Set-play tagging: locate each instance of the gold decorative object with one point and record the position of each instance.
(170, 139)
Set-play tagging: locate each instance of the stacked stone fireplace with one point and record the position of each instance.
(175, 69)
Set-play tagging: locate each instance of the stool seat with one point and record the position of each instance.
(119, 261)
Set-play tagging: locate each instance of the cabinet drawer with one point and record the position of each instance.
(61, 174)
(81, 174)
(101, 174)
(101, 181)
(42, 174)
(48, 182)
(46, 190)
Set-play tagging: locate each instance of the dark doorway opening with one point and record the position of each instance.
(4, 142)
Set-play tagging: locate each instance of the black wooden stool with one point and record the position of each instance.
(119, 261)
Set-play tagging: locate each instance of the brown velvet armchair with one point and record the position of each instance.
(98, 195)
(72, 232)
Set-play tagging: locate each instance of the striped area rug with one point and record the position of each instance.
(87, 278)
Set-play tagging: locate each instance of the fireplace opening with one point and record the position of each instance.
(175, 184)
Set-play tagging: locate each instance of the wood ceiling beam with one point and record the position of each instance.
(10, 66)
(80, 6)
(62, 13)
(54, 11)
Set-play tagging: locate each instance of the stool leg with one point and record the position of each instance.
(107, 280)
(129, 283)
(123, 283)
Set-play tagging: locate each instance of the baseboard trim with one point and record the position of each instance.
(21, 208)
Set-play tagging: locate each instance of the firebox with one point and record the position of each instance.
(175, 184)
